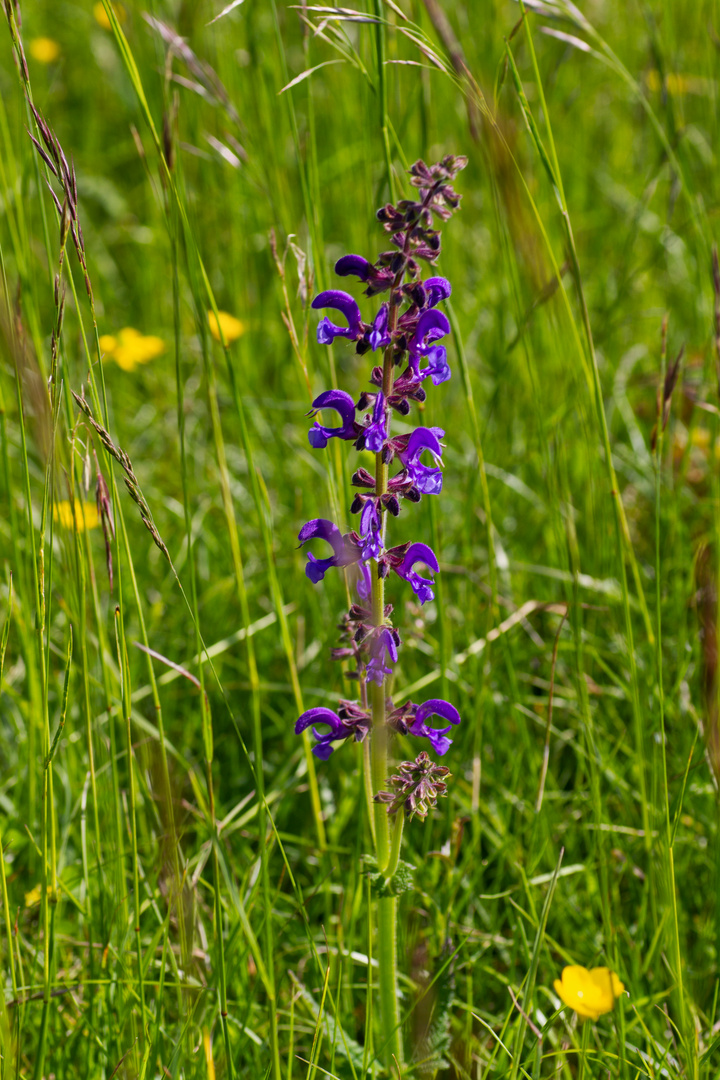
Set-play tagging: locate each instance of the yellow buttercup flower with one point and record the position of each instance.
(101, 15)
(231, 327)
(677, 84)
(33, 897)
(44, 50)
(131, 348)
(590, 993)
(85, 515)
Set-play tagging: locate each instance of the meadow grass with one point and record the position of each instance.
(183, 892)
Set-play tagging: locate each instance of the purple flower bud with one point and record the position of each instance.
(344, 303)
(426, 479)
(420, 586)
(362, 478)
(355, 265)
(435, 707)
(376, 431)
(343, 404)
(416, 787)
(379, 336)
(346, 548)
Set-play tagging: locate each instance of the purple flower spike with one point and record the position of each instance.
(370, 531)
(379, 336)
(346, 550)
(355, 265)
(343, 404)
(435, 707)
(384, 651)
(437, 289)
(376, 432)
(344, 303)
(431, 325)
(420, 586)
(425, 478)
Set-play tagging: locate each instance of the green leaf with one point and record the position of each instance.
(403, 880)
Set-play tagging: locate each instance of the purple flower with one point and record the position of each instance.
(343, 404)
(384, 650)
(420, 586)
(364, 582)
(376, 432)
(437, 289)
(424, 477)
(344, 303)
(346, 548)
(435, 707)
(437, 367)
(370, 531)
(379, 336)
(352, 721)
(431, 325)
(377, 279)
(355, 265)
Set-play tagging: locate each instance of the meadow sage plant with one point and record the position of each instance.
(406, 331)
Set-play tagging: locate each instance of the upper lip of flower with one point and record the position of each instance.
(354, 264)
(437, 288)
(431, 325)
(346, 548)
(412, 718)
(356, 723)
(426, 479)
(403, 566)
(342, 404)
(344, 303)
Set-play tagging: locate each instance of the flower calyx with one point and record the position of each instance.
(416, 787)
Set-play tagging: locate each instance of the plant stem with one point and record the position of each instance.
(584, 1048)
(387, 979)
(387, 906)
(396, 844)
(669, 840)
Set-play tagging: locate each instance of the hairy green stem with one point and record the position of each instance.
(387, 906)
(396, 844)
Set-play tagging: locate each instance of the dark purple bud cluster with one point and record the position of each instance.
(417, 786)
(406, 330)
